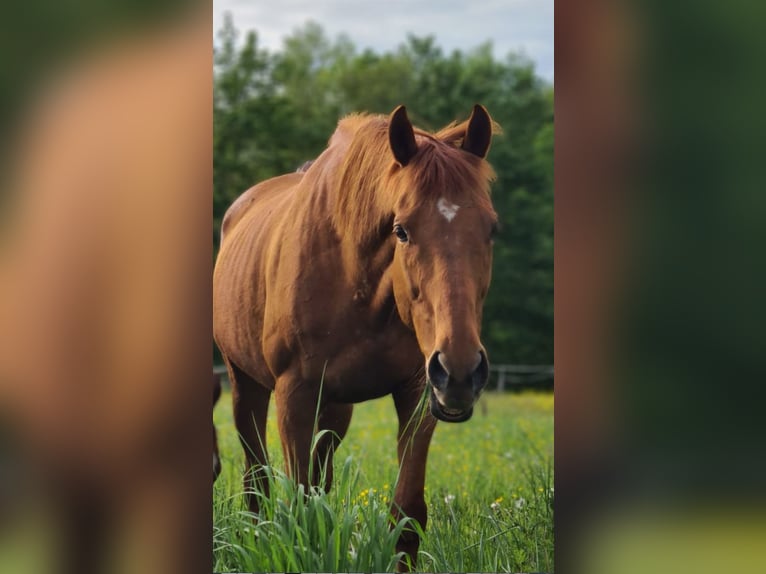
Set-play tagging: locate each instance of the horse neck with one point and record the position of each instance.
(359, 224)
(349, 187)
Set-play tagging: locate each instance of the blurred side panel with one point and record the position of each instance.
(596, 138)
(105, 266)
(659, 287)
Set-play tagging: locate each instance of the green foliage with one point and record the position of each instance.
(306, 531)
(275, 111)
(489, 491)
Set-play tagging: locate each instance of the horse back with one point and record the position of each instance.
(256, 195)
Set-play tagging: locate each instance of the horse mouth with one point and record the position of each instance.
(446, 414)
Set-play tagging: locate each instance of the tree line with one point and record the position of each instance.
(274, 111)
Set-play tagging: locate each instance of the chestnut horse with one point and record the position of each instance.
(362, 276)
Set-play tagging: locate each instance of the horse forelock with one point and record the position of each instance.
(370, 183)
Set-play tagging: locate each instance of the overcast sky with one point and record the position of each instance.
(512, 25)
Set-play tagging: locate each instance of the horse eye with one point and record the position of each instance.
(494, 231)
(400, 233)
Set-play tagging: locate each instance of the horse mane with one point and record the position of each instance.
(370, 183)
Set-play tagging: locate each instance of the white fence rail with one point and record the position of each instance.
(500, 376)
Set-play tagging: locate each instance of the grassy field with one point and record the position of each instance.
(489, 490)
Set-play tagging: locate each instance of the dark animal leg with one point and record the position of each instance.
(416, 427)
(216, 454)
(335, 418)
(86, 524)
(251, 405)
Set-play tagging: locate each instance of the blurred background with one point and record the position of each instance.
(660, 278)
(106, 171)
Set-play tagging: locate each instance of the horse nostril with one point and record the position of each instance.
(480, 374)
(443, 362)
(477, 363)
(437, 371)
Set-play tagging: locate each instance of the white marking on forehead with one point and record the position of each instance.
(447, 209)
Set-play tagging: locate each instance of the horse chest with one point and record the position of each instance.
(361, 363)
(367, 370)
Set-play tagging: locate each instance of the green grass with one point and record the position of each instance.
(488, 488)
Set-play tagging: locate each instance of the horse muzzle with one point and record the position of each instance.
(454, 391)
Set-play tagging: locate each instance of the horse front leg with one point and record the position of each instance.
(335, 419)
(309, 461)
(296, 404)
(416, 427)
(250, 404)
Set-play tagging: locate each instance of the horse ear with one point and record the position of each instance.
(478, 134)
(401, 136)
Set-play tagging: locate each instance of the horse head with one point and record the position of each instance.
(443, 224)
